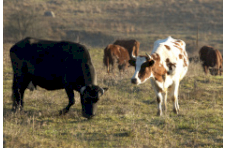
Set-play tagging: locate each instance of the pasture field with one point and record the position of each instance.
(126, 115)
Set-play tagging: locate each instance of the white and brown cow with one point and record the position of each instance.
(166, 66)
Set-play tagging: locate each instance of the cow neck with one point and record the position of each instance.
(158, 70)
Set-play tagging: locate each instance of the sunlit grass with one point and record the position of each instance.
(126, 114)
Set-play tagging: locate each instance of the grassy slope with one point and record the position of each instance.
(105, 21)
(126, 114)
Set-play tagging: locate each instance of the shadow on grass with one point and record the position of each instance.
(44, 115)
(123, 134)
(149, 101)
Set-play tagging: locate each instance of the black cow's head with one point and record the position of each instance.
(89, 98)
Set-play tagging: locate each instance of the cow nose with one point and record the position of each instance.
(134, 80)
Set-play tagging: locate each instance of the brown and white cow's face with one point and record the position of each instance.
(143, 69)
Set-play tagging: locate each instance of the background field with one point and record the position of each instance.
(126, 113)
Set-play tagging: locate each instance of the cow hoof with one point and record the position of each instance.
(159, 113)
(17, 109)
(176, 111)
(63, 112)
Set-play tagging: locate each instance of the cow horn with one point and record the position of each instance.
(149, 57)
(102, 91)
(133, 56)
(82, 89)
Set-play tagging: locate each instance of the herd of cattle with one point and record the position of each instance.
(121, 51)
(66, 65)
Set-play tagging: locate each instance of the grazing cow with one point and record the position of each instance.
(113, 53)
(166, 66)
(131, 45)
(211, 57)
(55, 65)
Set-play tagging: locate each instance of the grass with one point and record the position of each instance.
(144, 21)
(126, 114)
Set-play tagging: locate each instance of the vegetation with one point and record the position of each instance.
(126, 113)
(97, 23)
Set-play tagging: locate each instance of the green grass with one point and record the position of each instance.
(126, 114)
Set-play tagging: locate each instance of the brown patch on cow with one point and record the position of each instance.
(180, 56)
(145, 71)
(156, 57)
(157, 68)
(181, 50)
(185, 63)
(176, 43)
(167, 60)
(185, 54)
(167, 47)
(180, 42)
(131, 45)
(159, 71)
(170, 65)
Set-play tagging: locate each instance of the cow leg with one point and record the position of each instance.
(159, 100)
(70, 95)
(175, 97)
(19, 86)
(165, 101)
(220, 73)
(108, 69)
(108, 65)
(206, 68)
(159, 97)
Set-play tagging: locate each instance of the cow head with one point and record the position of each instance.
(143, 69)
(89, 98)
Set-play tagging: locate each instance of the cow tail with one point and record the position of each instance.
(106, 59)
(107, 62)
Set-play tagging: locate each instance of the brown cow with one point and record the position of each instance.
(131, 45)
(113, 53)
(211, 57)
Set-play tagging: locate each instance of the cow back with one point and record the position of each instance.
(171, 53)
(53, 60)
(131, 45)
(116, 52)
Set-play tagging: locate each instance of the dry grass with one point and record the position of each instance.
(145, 21)
(126, 114)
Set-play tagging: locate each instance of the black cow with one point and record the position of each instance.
(55, 65)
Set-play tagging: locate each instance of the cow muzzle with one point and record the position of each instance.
(134, 81)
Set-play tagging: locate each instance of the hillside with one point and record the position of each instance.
(100, 22)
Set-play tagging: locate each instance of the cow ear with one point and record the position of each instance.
(151, 62)
(132, 62)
